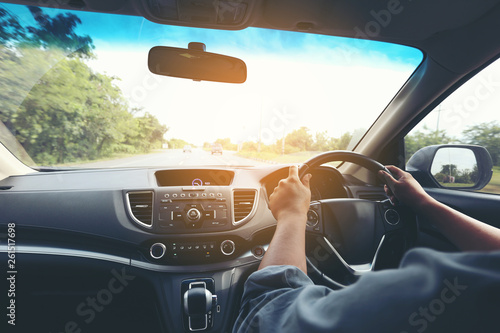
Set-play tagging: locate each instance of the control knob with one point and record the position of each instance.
(193, 215)
(227, 247)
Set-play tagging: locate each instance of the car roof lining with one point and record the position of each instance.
(436, 27)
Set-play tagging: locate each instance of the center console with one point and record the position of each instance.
(185, 208)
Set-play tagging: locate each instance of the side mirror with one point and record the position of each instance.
(452, 166)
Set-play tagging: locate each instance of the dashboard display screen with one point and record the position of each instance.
(194, 177)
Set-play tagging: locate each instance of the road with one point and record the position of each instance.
(174, 157)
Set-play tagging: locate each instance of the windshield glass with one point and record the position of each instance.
(76, 91)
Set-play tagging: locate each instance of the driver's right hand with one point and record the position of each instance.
(292, 196)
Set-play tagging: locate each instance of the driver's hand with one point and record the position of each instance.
(291, 197)
(405, 188)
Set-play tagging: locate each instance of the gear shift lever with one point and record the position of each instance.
(198, 305)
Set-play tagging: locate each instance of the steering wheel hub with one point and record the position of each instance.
(358, 235)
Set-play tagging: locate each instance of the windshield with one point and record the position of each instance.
(76, 91)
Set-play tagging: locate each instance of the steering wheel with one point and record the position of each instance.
(347, 238)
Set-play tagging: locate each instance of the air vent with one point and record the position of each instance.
(244, 201)
(372, 196)
(141, 207)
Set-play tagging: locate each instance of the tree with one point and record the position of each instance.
(150, 132)
(177, 143)
(58, 32)
(226, 144)
(321, 141)
(72, 113)
(57, 106)
(449, 169)
(424, 138)
(10, 28)
(342, 142)
(486, 135)
(300, 138)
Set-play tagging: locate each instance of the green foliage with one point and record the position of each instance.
(449, 169)
(451, 174)
(427, 137)
(10, 28)
(486, 135)
(176, 143)
(226, 144)
(340, 143)
(58, 32)
(321, 141)
(75, 114)
(300, 138)
(57, 107)
(250, 146)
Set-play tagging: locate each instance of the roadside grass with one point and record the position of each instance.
(450, 185)
(109, 158)
(494, 184)
(278, 158)
(492, 187)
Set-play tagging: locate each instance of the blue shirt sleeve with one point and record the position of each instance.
(430, 292)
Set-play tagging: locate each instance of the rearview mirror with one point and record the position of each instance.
(452, 166)
(196, 64)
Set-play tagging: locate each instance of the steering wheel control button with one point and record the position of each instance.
(227, 247)
(157, 250)
(312, 218)
(392, 217)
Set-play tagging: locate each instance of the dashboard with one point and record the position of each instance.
(174, 228)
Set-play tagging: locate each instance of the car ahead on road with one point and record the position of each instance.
(413, 84)
(216, 149)
(186, 149)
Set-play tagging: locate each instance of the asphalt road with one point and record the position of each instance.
(175, 157)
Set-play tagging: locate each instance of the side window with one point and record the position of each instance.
(471, 115)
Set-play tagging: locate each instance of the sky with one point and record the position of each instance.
(475, 102)
(330, 84)
(461, 158)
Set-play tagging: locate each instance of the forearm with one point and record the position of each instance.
(465, 232)
(288, 244)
